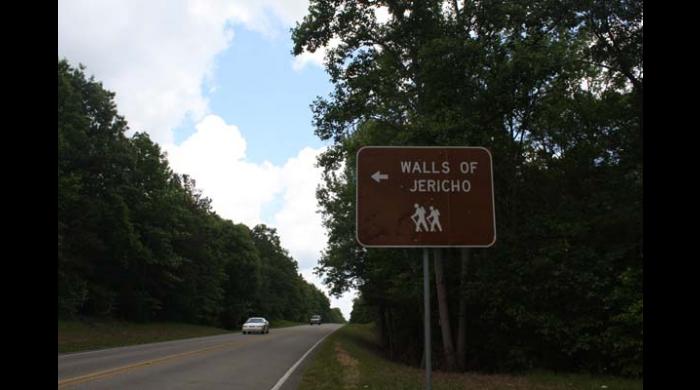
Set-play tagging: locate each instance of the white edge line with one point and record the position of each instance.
(289, 372)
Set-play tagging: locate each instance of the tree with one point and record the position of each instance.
(360, 313)
(244, 273)
(336, 316)
(554, 90)
(90, 145)
(137, 241)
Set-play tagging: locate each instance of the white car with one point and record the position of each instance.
(256, 325)
(316, 319)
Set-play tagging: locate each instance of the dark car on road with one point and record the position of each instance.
(315, 320)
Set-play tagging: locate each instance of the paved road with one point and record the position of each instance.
(230, 361)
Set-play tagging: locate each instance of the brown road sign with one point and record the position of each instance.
(421, 196)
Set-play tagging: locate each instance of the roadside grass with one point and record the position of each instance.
(75, 336)
(350, 359)
(583, 381)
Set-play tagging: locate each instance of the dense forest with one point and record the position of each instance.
(139, 242)
(554, 90)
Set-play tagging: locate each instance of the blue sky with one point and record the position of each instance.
(257, 89)
(214, 83)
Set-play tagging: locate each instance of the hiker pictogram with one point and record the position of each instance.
(421, 221)
(434, 219)
(418, 218)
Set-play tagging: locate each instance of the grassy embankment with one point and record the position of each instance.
(350, 359)
(75, 336)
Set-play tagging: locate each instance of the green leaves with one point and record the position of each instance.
(554, 90)
(140, 242)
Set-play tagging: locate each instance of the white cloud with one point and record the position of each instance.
(306, 58)
(158, 56)
(382, 14)
(270, 17)
(215, 156)
(298, 222)
(155, 55)
(316, 58)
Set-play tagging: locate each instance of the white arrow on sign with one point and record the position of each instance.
(379, 176)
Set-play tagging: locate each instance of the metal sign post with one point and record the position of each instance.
(425, 197)
(426, 308)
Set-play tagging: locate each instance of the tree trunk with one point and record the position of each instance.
(462, 324)
(389, 323)
(444, 313)
(382, 327)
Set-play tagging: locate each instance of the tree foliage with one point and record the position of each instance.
(137, 241)
(554, 90)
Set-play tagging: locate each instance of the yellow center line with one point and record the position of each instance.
(113, 371)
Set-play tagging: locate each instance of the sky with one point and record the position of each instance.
(215, 84)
